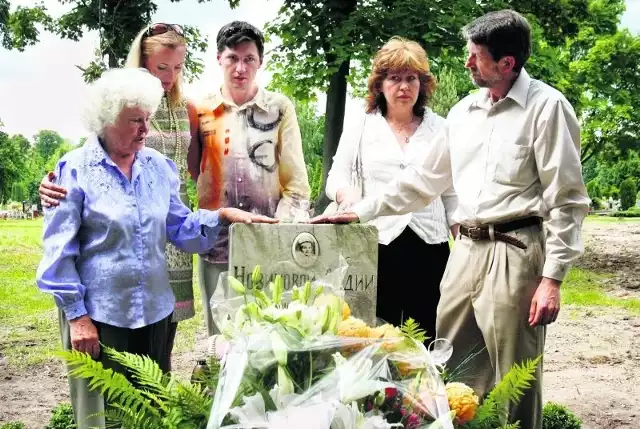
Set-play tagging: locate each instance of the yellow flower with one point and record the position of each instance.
(353, 327)
(388, 331)
(346, 311)
(463, 401)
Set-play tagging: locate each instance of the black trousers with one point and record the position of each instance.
(150, 340)
(89, 405)
(409, 274)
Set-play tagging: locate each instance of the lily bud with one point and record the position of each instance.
(306, 292)
(256, 277)
(279, 348)
(237, 285)
(284, 382)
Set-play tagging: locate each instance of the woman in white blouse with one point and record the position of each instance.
(413, 248)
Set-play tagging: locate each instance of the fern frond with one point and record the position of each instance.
(112, 385)
(411, 330)
(510, 389)
(192, 399)
(147, 374)
(515, 425)
(118, 417)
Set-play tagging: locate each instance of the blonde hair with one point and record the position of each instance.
(143, 47)
(400, 54)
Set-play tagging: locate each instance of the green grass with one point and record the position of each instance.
(29, 332)
(28, 318)
(610, 219)
(584, 288)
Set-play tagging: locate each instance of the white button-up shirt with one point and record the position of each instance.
(383, 160)
(514, 158)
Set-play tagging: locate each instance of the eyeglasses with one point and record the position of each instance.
(161, 28)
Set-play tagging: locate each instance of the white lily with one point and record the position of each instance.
(347, 417)
(309, 416)
(355, 378)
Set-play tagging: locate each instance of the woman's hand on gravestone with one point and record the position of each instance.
(233, 215)
(341, 217)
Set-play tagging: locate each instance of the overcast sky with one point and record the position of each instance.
(41, 88)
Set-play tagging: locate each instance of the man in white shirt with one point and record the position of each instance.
(512, 152)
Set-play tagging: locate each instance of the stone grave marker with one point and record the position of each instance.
(301, 252)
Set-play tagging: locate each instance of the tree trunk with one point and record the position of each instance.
(333, 124)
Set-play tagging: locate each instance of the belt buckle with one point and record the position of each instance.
(475, 233)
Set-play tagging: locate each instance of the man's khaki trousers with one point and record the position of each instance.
(486, 294)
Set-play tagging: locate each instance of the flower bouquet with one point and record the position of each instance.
(296, 359)
(299, 358)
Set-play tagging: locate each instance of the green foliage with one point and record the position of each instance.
(13, 161)
(411, 330)
(47, 143)
(13, 425)
(18, 29)
(317, 37)
(556, 416)
(628, 192)
(627, 213)
(151, 399)
(446, 95)
(311, 129)
(493, 412)
(593, 189)
(117, 24)
(62, 417)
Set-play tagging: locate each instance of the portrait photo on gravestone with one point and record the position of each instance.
(304, 252)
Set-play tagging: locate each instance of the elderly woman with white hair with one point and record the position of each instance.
(104, 259)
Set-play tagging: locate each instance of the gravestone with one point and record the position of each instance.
(300, 252)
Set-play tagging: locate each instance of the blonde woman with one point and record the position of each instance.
(161, 49)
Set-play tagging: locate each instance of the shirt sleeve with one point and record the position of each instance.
(57, 273)
(339, 176)
(192, 232)
(420, 183)
(294, 181)
(557, 154)
(450, 202)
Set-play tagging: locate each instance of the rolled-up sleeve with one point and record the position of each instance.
(294, 180)
(192, 232)
(420, 183)
(557, 153)
(57, 273)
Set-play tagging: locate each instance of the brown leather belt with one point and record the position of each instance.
(498, 232)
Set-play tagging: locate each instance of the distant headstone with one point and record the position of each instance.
(301, 252)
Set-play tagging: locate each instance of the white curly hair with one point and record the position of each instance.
(117, 89)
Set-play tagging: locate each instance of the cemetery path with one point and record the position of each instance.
(592, 360)
(614, 248)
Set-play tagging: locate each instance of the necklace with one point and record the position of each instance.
(173, 129)
(398, 130)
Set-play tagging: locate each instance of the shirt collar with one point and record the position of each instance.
(97, 154)
(520, 89)
(519, 92)
(260, 100)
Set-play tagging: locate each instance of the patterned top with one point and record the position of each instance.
(251, 159)
(170, 135)
(104, 244)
